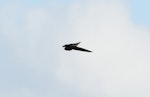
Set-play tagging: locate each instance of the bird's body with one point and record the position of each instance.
(74, 46)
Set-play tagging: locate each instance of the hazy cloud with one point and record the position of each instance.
(118, 67)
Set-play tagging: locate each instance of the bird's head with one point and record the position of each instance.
(64, 46)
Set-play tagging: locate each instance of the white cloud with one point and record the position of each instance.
(119, 65)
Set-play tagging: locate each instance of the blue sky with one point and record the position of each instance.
(34, 64)
(139, 10)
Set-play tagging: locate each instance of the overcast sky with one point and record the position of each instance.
(34, 64)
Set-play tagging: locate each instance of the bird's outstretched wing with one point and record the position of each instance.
(75, 44)
(81, 49)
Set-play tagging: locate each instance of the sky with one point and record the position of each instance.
(34, 64)
(139, 11)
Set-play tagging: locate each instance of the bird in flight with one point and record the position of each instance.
(74, 46)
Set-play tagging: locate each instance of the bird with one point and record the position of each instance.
(74, 46)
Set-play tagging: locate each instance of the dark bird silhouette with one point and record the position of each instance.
(74, 46)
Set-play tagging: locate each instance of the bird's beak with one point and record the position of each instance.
(63, 46)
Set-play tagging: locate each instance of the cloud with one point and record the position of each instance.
(25, 92)
(119, 65)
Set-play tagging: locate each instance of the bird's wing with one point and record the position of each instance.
(75, 44)
(81, 49)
